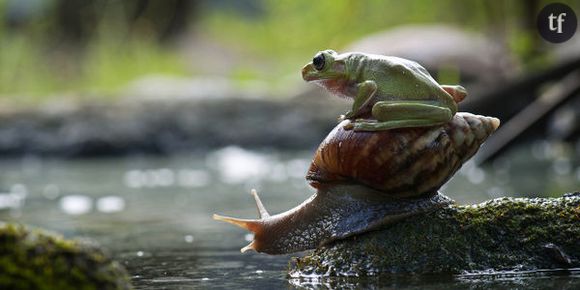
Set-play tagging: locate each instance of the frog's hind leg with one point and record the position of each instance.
(458, 93)
(392, 115)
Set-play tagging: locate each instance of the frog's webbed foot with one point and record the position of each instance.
(349, 116)
(351, 124)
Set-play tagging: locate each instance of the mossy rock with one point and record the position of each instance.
(33, 259)
(501, 234)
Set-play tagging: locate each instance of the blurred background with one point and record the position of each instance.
(97, 48)
(131, 122)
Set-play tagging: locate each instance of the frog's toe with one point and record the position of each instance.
(365, 126)
(348, 126)
(457, 92)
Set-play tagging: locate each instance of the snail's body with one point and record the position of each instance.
(394, 174)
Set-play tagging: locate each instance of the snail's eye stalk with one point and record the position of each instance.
(318, 61)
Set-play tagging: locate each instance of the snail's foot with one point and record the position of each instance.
(368, 214)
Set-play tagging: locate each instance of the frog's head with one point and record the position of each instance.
(326, 69)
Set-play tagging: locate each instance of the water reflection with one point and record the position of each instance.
(541, 279)
(76, 204)
(14, 198)
(51, 191)
(154, 213)
(165, 177)
(110, 204)
(188, 238)
(473, 173)
(237, 165)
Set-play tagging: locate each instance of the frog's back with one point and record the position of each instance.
(399, 78)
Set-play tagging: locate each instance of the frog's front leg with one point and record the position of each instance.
(400, 114)
(365, 92)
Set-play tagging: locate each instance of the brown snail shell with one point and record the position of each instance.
(399, 162)
(367, 179)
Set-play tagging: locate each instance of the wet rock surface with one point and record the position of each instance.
(505, 234)
(164, 126)
(33, 259)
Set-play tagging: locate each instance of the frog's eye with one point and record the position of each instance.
(318, 61)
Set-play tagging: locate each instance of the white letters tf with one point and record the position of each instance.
(558, 19)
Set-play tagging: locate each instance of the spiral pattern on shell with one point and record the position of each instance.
(407, 162)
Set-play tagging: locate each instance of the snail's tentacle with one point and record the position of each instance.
(252, 225)
(261, 209)
(251, 246)
(255, 226)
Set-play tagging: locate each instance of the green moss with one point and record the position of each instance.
(39, 260)
(501, 234)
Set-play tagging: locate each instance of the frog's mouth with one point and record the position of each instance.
(309, 73)
(334, 84)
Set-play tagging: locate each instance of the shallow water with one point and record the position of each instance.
(154, 213)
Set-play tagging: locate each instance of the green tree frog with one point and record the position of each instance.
(388, 92)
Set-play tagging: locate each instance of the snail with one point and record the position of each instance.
(399, 143)
(368, 179)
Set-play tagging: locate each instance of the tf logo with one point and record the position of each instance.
(557, 22)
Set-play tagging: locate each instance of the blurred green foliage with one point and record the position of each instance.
(297, 26)
(29, 71)
(35, 63)
(271, 40)
(289, 33)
